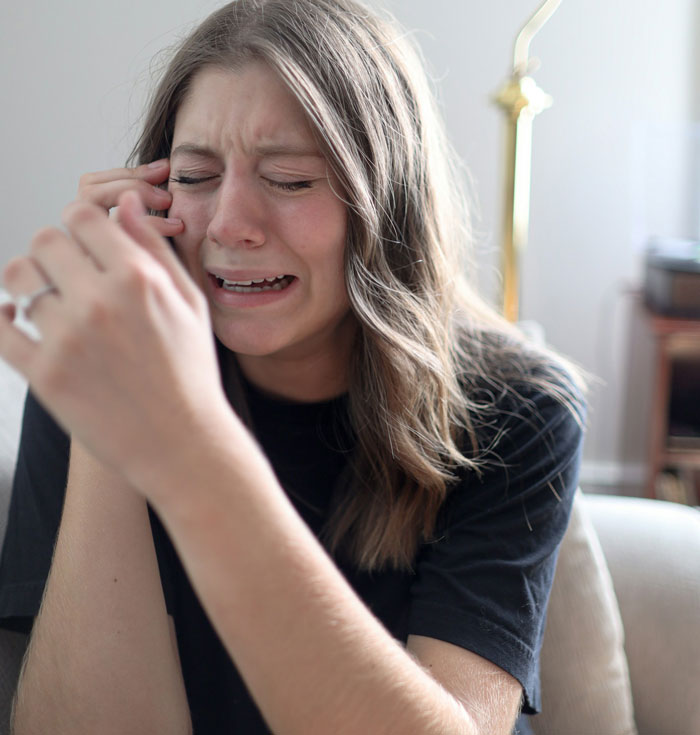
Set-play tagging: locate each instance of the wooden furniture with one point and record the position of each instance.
(675, 418)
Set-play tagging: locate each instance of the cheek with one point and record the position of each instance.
(320, 231)
(192, 211)
(196, 220)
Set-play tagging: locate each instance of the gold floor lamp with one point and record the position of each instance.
(521, 99)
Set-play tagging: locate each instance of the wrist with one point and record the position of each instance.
(191, 456)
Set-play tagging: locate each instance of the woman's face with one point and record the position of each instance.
(264, 229)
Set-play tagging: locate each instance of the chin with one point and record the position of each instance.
(252, 345)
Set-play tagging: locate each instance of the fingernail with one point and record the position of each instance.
(172, 220)
(162, 192)
(158, 164)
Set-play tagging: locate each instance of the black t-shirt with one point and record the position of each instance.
(482, 584)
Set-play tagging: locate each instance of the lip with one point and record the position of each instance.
(233, 300)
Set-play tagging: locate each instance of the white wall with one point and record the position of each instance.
(73, 77)
(613, 160)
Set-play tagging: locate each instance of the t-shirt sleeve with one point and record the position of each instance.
(34, 516)
(484, 582)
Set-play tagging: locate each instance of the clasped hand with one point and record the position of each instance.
(126, 361)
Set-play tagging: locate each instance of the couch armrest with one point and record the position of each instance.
(653, 552)
(585, 678)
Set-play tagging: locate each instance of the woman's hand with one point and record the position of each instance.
(104, 188)
(126, 362)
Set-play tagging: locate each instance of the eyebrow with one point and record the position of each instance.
(197, 150)
(270, 149)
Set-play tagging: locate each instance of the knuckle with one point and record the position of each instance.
(85, 180)
(97, 313)
(88, 193)
(140, 276)
(13, 268)
(44, 239)
(81, 213)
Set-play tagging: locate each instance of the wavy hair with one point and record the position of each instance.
(425, 341)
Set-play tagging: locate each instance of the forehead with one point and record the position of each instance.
(245, 108)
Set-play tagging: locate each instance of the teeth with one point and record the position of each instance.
(224, 282)
(269, 279)
(254, 289)
(275, 284)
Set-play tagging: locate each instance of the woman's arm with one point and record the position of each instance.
(312, 655)
(111, 368)
(101, 658)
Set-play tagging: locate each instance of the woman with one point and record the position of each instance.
(365, 543)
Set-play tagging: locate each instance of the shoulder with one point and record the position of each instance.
(533, 420)
(518, 393)
(527, 416)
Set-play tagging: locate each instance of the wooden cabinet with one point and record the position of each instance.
(675, 419)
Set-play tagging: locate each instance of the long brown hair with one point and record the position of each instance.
(425, 341)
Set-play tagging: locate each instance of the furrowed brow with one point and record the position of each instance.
(287, 149)
(193, 149)
(263, 150)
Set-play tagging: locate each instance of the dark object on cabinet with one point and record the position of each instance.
(672, 279)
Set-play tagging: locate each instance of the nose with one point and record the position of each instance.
(239, 215)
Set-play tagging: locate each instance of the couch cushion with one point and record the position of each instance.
(585, 678)
(653, 551)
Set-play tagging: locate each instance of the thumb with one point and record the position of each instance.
(134, 221)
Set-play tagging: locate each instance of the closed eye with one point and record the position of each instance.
(289, 185)
(190, 180)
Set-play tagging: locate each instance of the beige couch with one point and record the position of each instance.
(622, 647)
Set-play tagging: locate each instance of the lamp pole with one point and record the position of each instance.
(521, 100)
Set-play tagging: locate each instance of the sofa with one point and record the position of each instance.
(621, 653)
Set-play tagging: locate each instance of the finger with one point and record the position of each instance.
(7, 307)
(107, 194)
(16, 348)
(62, 261)
(165, 226)
(24, 276)
(136, 224)
(102, 238)
(154, 173)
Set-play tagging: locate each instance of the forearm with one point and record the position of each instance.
(100, 657)
(312, 655)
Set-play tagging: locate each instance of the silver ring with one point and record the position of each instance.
(25, 302)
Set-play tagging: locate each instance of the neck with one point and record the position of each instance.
(305, 376)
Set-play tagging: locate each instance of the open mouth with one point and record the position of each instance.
(256, 285)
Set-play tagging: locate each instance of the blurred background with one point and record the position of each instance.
(615, 161)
